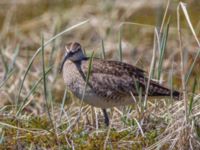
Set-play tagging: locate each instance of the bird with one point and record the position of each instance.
(110, 83)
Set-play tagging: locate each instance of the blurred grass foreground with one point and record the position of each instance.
(43, 115)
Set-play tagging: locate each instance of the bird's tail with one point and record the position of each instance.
(156, 89)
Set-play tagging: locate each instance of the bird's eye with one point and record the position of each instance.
(70, 53)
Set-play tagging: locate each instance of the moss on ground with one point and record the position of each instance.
(36, 132)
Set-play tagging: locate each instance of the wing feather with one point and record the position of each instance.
(113, 79)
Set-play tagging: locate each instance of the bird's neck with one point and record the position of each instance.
(81, 59)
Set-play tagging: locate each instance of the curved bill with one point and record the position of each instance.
(63, 61)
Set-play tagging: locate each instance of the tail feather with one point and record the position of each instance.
(156, 89)
(177, 95)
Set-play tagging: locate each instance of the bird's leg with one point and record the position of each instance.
(105, 117)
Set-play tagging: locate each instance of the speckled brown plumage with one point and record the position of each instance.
(110, 82)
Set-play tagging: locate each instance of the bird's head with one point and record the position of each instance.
(73, 52)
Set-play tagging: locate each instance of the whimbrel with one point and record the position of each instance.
(110, 82)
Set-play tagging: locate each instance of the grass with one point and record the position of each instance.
(43, 138)
(38, 112)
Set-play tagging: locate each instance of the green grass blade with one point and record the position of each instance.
(120, 44)
(44, 82)
(163, 47)
(103, 49)
(16, 53)
(46, 93)
(7, 77)
(2, 138)
(63, 104)
(10, 69)
(192, 97)
(151, 72)
(171, 82)
(187, 76)
(89, 69)
(4, 63)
